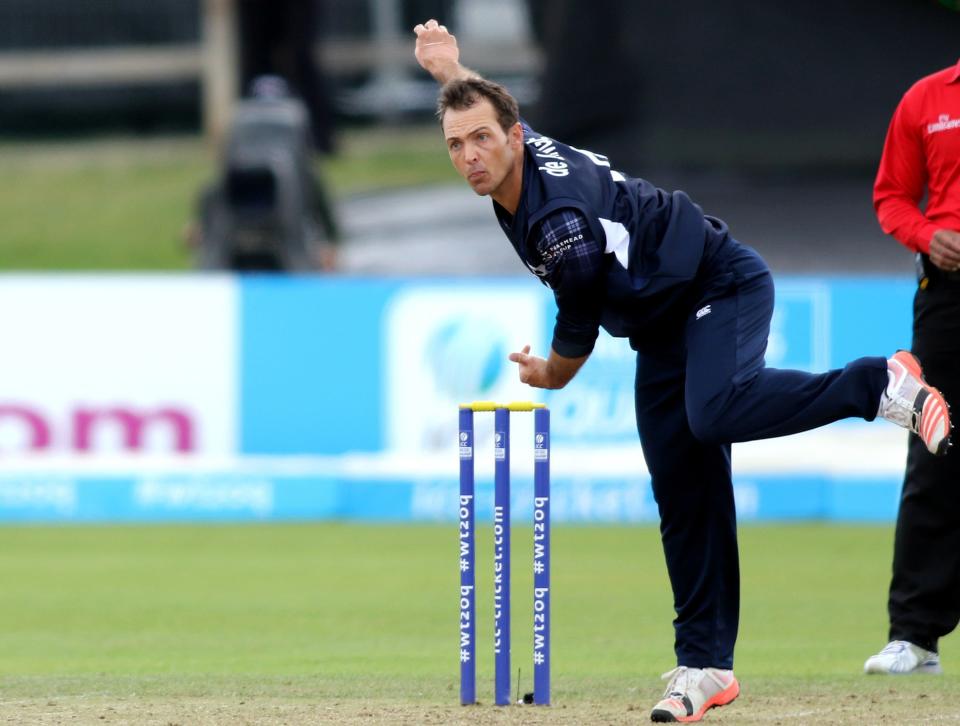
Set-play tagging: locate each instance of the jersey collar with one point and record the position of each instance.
(955, 76)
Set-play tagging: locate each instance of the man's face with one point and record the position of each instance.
(482, 152)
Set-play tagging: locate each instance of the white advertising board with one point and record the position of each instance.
(126, 364)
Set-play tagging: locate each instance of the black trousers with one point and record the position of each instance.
(924, 602)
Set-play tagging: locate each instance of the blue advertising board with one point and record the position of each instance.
(322, 379)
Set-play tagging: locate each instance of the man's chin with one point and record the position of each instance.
(481, 189)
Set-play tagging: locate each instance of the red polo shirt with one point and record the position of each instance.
(922, 151)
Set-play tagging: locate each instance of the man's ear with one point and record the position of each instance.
(516, 135)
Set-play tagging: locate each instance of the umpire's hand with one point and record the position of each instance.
(945, 250)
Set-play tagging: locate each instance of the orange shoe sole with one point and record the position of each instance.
(727, 695)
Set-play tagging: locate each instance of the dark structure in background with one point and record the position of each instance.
(167, 106)
(698, 83)
(771, 115)
(267, 209)
(277, 213)
(416, 11)
(34, 25)
(737, 83)
(279, 37)
(592, 87)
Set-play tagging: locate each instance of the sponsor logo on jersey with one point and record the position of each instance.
(559, 248)
(944, 123)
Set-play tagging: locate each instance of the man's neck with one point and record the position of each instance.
(508, 193)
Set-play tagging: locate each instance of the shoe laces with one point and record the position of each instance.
(897, 407)
(683, 679)
(894, 647)
(679, 679)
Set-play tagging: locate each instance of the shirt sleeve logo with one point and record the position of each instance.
(559, 248)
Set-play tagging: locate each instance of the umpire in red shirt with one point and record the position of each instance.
(922, 155)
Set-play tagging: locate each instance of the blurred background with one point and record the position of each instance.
(240, 279)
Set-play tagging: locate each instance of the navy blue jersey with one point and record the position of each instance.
(649, 242)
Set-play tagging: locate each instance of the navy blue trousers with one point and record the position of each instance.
(701, 385)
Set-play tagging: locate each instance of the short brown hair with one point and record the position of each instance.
(462, 93)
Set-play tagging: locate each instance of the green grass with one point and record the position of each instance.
(295, 614)
(124, 204)
(360, 600)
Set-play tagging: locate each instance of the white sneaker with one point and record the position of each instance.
(903, 658)
(692, 692)
(910, 402)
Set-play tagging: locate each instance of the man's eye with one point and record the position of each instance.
(455, 146)
(483, 137)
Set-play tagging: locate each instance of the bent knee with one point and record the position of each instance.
(707, 424)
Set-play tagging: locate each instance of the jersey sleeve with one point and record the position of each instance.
(902, 178)
(572, 264)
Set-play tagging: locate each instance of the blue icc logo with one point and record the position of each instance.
(466, 357)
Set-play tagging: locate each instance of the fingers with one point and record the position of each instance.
(423, 27)
(520, 357)
(429, 25)
(945, 250)
(950, 264)
(946, 240)
(952, 254)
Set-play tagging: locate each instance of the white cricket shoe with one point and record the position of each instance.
(903, 658)
(692, 692)
(909, 401)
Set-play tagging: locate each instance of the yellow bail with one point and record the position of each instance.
(493, 405)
